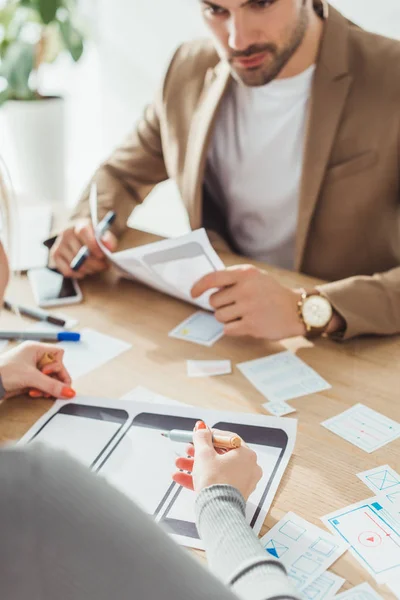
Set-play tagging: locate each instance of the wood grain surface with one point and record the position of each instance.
(321, 476)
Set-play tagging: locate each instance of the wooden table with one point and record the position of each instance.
(321, 476)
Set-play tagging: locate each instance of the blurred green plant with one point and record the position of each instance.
(34, 32)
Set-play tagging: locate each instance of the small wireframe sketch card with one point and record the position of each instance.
(305, 550)
(383, 480)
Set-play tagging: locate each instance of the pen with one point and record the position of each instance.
(84, 252)
(219, 441)
(34, 313)
(37, 336)
(46, 359)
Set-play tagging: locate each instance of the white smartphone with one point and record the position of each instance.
(53, 289)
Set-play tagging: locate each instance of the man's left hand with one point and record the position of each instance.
(251, 302)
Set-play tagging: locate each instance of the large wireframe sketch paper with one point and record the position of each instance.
(122, 442)
(171, 266)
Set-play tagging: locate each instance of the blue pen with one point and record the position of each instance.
(37, 336)
(84, 252)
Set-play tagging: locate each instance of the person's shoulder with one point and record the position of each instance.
(15, 465)
(190, 64)
(39, 472)
(200, 53)
(376, 56)
(374, 46)
(20, 470)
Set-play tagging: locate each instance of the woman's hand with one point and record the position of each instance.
(207, 466)
(19, 371)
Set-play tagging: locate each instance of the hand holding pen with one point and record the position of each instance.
(69, 244)
(81, 257)
(205, 466)
(21, 369)
(51, 365)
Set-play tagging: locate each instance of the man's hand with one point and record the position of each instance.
(251, 302)
(71, 240)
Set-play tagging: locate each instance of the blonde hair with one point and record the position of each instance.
(6, 191)
(8, 206)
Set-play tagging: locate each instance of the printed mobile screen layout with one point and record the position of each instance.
(142, 462)
(84, 432)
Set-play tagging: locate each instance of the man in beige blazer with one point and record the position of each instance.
(347, 226)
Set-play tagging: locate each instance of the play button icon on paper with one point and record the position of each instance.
(370, 539)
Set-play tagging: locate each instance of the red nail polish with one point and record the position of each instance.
(202, 425)
(47, 370)
(68, 392)
(35, 394)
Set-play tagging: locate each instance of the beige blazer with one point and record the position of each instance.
(348, 230)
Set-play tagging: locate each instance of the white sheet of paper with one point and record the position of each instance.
(360, 592)
(129, 430)
(325, 587)
(279, 409)
(94, 350)
(32, 228)
(170, 266)
(282, 376)
(304, 549)
(373, 532)
(394, 587)
(364, 428)
(208, 368)
(142, 394)
(201, 328)
(383, 480)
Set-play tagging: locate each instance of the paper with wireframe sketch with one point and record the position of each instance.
(171, 266)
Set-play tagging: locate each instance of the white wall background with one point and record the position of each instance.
(379, 16)
(136, 40)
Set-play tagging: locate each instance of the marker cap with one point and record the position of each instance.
(68, 336)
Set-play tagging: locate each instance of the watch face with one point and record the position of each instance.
(317, 311)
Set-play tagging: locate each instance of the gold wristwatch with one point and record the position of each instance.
(315, 312)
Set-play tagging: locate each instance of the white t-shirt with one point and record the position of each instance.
(255, 162)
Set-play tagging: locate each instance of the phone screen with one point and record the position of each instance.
(82, 431)
(50, 285)
(142, 463)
